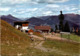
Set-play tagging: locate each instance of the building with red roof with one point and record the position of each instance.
(43, 28)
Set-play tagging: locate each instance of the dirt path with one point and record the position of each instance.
(37, 37)
(39, 45)
(54, 37)
(48, 36)
(42, 48)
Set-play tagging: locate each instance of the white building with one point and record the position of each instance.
(17, 26)
(21, 25)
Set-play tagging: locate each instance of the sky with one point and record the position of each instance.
(37, 8)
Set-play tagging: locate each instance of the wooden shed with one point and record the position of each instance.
(43, 28)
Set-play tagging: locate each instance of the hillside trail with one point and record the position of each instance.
(54, 37)
(39, 45)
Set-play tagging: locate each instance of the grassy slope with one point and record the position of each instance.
(71, 48)
(38, 34)
(72, 37)
(12, 40)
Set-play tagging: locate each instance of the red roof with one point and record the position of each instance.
(42, 27)
(24, 24)
(30, 31)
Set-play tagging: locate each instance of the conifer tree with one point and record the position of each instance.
(61, 19)
(56, 28)
(66, 27)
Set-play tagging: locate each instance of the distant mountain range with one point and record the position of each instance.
(73, 20)
(10, 19)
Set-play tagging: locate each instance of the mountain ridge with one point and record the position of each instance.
(10, 19)
(73, 19)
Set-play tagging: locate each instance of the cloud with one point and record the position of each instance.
(4, 9)
(57, 7)
(29, 10)
(47, 13)
(36, 7)
(31, 1)
(50, 1)
(52, 5)
(14, 1)
(61, 1)
(68, 7)
(74, 8)
(78, 11)
(32, 9)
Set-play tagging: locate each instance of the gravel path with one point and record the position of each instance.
(42, 48)
(37, 37)
(54, 37)
(39, 46)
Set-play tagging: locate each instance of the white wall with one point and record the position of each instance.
(24, 28)
(17, 26)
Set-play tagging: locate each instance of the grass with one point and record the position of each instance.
(72, 37)
(36, 52)
(71, 48)
(14, 42)
(38, 34)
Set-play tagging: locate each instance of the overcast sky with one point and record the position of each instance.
(34, 8)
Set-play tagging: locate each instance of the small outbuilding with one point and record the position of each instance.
(30, 31)
(45, 29)
(21, 25)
